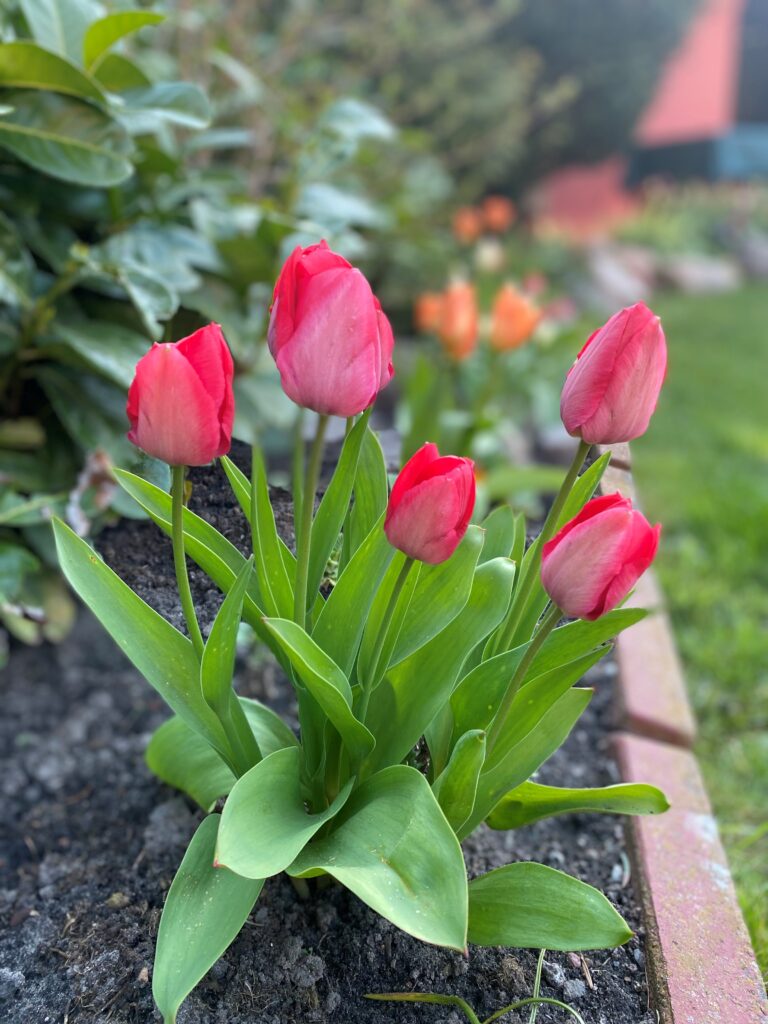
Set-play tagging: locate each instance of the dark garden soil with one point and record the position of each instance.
(92, 841)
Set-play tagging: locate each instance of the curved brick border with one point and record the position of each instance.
(701, 966)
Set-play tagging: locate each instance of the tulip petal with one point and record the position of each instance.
(412, 473)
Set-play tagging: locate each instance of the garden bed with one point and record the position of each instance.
(96, 840)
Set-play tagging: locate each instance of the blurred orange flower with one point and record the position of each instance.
(459, 320)
(467, 224)
(514, 318)
(426, 312)
(499, 213)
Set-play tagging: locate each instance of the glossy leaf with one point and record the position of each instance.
(340, 625)
(393, 848)
(182, 758)
(148, 109)
(25, 65)
(531, 802)
(60, 25)
(325, 681)
(334, 506)
(414, 691)
(500, 531)
(17, 267)
(118, 74)
(104, 33)
(531, 906)
(205, 909)
(161, 653)
(456, 786)
(264, 825)
(65, 138)
(110, 349)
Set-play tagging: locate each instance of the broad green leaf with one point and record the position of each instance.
(205, 909)
(333, 507)
(531, 906)
(16, 562)
(392, 846)
(118, 74)
(456, 786)
(164, 656)
(325, 681)
(65, 138)
(342, 619)
(414, 691)
(109, 348)
(147, 110)
(60, 25)
(16, 269)
(180, 757)
(500, 531)
(442, 591)
(371, 492)
(104, 33)
(274, 583)
(568, 642)
(152, 298)
(531, 802)
(25, 65)
(528, 755)
(265, 825)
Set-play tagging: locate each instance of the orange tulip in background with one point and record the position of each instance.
(514, 318)
(499, 214)
(426, 312)
(467, 224)
(459, 320)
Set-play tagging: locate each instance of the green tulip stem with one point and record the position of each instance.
(304, 523)
(179, 558)
(376, 667)
(528, 581)
(548, 623)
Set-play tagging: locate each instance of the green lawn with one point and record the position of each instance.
(702, 470)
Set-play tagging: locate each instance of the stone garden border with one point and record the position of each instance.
(701, 966)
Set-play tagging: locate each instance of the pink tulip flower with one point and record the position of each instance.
(180, 403)
(611, 390)
(591, 565)
(328, 335)
(431, 504)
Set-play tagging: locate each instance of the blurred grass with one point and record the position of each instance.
(702, 470)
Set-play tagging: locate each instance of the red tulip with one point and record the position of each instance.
(328, 335)
(591, 565)
(467, 224)
(180, 403)
(427, 311)
(498, 213)
(430, 505)
(458, 325)
(611, 390)
(514, 318)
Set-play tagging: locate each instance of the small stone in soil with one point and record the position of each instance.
(574, 989)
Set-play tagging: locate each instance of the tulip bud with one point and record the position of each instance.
(459, 320)
(591, 565)
(427, 311)
(498, 213)
(514, 318)
(467, 224)
(611, 390)
(328, 335)
(180, 403)
(430, 505)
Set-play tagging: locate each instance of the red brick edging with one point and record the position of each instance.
(701, 966)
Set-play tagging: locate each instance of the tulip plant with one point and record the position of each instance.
(432, 670)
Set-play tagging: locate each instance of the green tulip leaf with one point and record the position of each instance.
(531, 906)
(265, 825)
(325, 681)
(205, 909)
(181, 757)
(501, 530)
(456, 786)
(415, 691)
(65, 138)
(369, 649)
(25, 65)
(343, 617)
(104, 33)
(394, 849)
(371, 492)
(531, 802)
(161, 653)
